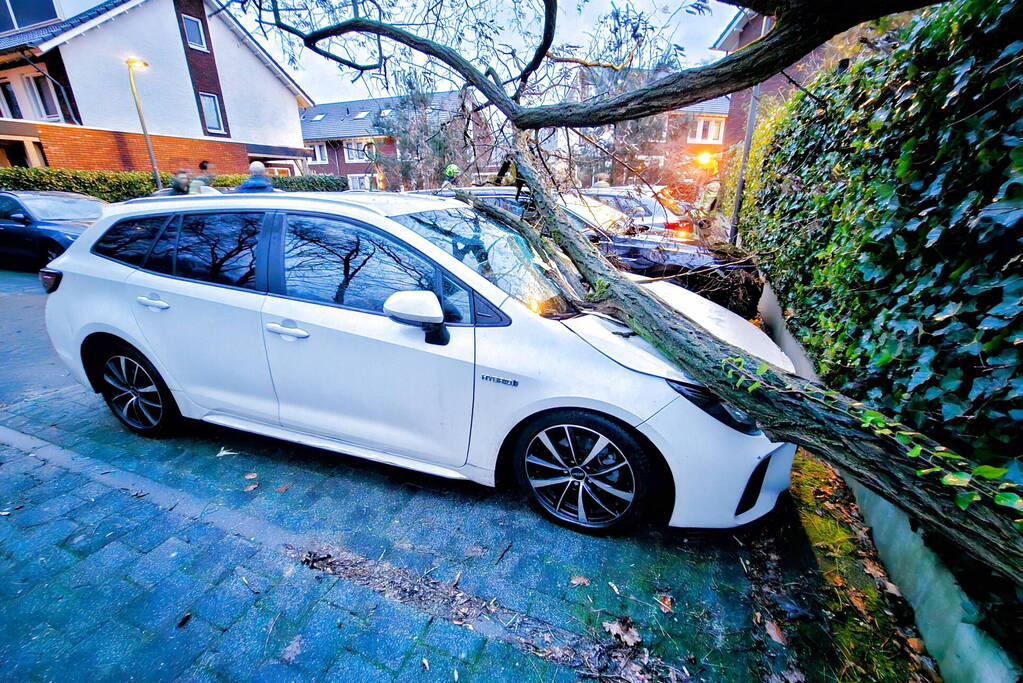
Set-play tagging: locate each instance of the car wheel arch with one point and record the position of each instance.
(92, 349)
(504, 476)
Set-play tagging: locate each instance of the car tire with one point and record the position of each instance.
(135, 393)
(572, 459)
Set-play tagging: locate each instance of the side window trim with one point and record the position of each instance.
(278, 288)
(261, 251)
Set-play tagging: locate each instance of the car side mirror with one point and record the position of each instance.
(420, 308)
(19, 217)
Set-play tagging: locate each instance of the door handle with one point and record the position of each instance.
(155, 304)
(286, 331)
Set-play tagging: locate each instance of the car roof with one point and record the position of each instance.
(48, 193)
(379, 202)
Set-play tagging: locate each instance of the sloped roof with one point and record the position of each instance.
(728, 41)
(37, 35)
(718, 105)
(339, 118)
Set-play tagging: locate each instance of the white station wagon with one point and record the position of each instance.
(410, 330)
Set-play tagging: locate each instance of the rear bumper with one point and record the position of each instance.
(720, 477)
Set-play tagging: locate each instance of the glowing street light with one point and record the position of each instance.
(133, 64)
(704, 158)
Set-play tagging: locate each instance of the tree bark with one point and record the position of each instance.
(791, 409)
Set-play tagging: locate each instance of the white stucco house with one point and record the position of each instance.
(209, 90)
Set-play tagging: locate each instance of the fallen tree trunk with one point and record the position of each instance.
(901, 465)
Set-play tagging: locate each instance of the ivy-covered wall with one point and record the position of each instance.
(886, 209)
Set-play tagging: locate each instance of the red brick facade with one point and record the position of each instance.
(103, 150)
(336, 164)
(202, 64)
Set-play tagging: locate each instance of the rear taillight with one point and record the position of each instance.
(50, 279)
(680, 228)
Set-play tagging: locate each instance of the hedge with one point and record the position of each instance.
(886, 209)
(117, 186)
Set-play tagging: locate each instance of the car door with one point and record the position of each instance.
(341, 367)
(16, 235)
(197, 301)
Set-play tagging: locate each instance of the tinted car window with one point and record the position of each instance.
(9, 207)
(219, 248)
(335, 262)
(128, 241)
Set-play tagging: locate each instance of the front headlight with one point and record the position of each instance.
(725, 413)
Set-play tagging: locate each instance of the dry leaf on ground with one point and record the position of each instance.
(282, 489)
(665, 603)
(614, 588)
(225, 451)
(251, 487)
(579, 581)
(251, 475)
(874, 569)
(623, 630)
(426, 664)
(774, 631)
(292, 650)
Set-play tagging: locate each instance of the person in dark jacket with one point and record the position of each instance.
(257, 180)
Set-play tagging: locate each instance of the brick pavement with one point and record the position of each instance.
(109, 540)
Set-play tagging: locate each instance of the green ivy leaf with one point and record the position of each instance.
(929, 470)
(989, 472)
(964, 498)
(753, 387)
(957, 479)
(1009, 500)
(761, 369)
(915, 451)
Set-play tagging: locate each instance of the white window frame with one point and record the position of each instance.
(317, 160)
(37, 103)
(355, 151)
(367, 176)
(700, 133)
(220, 113)
(204, 46)
(14, 20)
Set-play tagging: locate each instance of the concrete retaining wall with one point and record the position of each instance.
(946, 617)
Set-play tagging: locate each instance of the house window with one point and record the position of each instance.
(319, 117)
(194, 35)
(211, 113)
(11, 108)
(319, 154)
(707, 130)
(361, 115)
(385, 112)
(22, 13)
(45, 99)
(356, 151)
(361, 181)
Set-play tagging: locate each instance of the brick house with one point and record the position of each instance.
(744, 28)
(351, 138)
(210, 91)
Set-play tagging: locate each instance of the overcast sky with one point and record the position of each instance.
(324, 81)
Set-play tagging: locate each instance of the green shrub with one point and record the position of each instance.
(303, 183)
(887, 211)
(111, 186)
(118, 186)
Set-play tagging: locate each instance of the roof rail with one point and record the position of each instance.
(330, 197)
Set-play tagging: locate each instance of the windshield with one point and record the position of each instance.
(57, 208)
(497, 253)
(597, 213)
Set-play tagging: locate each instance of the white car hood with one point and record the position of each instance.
(621, 345)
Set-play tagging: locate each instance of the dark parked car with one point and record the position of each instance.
(634, 247)
(36, 227)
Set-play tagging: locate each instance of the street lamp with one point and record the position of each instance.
(136, 63)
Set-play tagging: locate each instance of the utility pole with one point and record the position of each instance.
(133, 64)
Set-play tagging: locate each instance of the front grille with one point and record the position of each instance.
(752, 491)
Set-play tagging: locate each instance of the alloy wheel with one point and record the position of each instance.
(132, 393)
(580, 475)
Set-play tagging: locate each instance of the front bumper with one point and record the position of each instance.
(719, 478)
